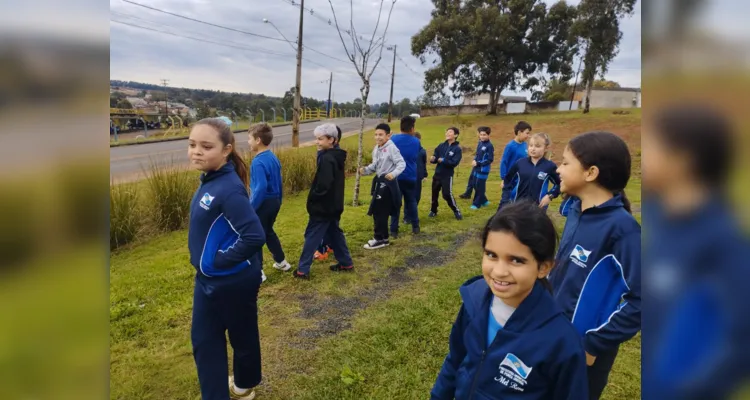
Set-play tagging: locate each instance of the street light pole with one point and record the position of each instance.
(298, 86)
(393, 76)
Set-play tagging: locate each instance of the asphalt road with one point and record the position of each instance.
(128, 162)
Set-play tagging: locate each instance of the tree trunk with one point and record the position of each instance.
(587, 98)
(364, 91)
(493, 101)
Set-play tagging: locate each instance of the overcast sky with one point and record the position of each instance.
(260, 65)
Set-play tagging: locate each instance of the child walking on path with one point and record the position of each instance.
(266, 190)
(597, 278)
(224, 239)
(510, 340)
(472, 180)
(325, 204)
(447, 156)
(322, 252)
(530, 177)
(481, 167)
(387, 164)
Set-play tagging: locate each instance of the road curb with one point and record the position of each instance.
(172, 139)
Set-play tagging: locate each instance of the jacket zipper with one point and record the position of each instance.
(476, 376)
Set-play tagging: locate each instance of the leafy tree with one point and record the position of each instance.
(487, 46)
(124, 103)
(554, 90)
(598, 28)
(605, 84)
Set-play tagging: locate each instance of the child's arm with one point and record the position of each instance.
(508, 185)
(555, 178)
(445, 385)
(373, 166)
(625, 322)
(455, 159)
(570, 378)
(258, 184)
(423, 156)
(325, 179)
(243, 220)
(504, 167)
(435, 157)
(490, 156)
(398, 159)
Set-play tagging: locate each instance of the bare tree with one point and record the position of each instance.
(361, 57)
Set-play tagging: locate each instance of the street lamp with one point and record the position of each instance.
(267, 21)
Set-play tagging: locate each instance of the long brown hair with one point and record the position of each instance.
(227, 137)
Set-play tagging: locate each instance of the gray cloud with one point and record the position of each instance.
(266, 66)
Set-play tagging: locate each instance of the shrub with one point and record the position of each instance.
(125, 220)
(170, 192)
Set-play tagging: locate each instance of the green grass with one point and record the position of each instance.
(388, 323)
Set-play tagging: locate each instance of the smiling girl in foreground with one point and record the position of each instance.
(510, 340)
(224, 239)
(597, 278)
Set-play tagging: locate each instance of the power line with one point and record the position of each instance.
(325, 20)
(408, 67)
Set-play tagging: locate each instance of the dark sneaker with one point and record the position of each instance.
(464, 196)
(376, 244)
(394, 235)
(458, 215)
(432, 214)
(341, 268)
(300, 275)
(415, 230)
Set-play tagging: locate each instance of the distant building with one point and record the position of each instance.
(611, 98)
(484, 98)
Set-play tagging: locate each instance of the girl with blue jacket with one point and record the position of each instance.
(510, 340)
(597, 275)
(225, 237)
(532, 176)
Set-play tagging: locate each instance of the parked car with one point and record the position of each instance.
(417, 116)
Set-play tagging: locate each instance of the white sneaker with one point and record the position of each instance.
(249, 395)
(372, 242)
(283, 266)
(262, 276)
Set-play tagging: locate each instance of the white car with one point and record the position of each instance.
(415, 116)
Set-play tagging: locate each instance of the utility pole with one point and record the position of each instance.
(164, 83)
(393, 76)
(330, 105)
(298, 86)
(575, 83)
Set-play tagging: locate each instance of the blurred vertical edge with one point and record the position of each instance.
(696, 314)
(54, 78)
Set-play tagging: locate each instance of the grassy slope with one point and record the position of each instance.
(389, 321)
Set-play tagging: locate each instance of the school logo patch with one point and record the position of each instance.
(206, 200)
(450, 153)
(542, 175)
(484, 148)
(580, 256)
(513, 373)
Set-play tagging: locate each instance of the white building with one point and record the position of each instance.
(484, 98)
(612, 98)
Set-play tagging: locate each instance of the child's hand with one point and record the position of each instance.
(389, 177)
(362, 171)
(590, 359)
(474, 163)
(440, 160)
(545, 202)
(432, 159)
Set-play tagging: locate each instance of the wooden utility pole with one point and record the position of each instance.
(298, 86)
(330, 105)
(393, 76)
(164, 83)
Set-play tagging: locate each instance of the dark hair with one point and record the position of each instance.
(454, 129)
(227, 137)
(385, 127)
(407, 124)
(610, 154)
(338, 139)
(485, 129)
(521, 126)
(262, 131)
(704, 135)
(531, 226)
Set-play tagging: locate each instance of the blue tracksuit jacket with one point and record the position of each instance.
(536, 355)
(484, 157)
(597, 274)
(451, 155)
(265, 178)
(513, 152)
(528, 181)
(225, 233)
(409, 147)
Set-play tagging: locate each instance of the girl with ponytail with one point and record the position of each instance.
(225, 238)
(597, 275)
